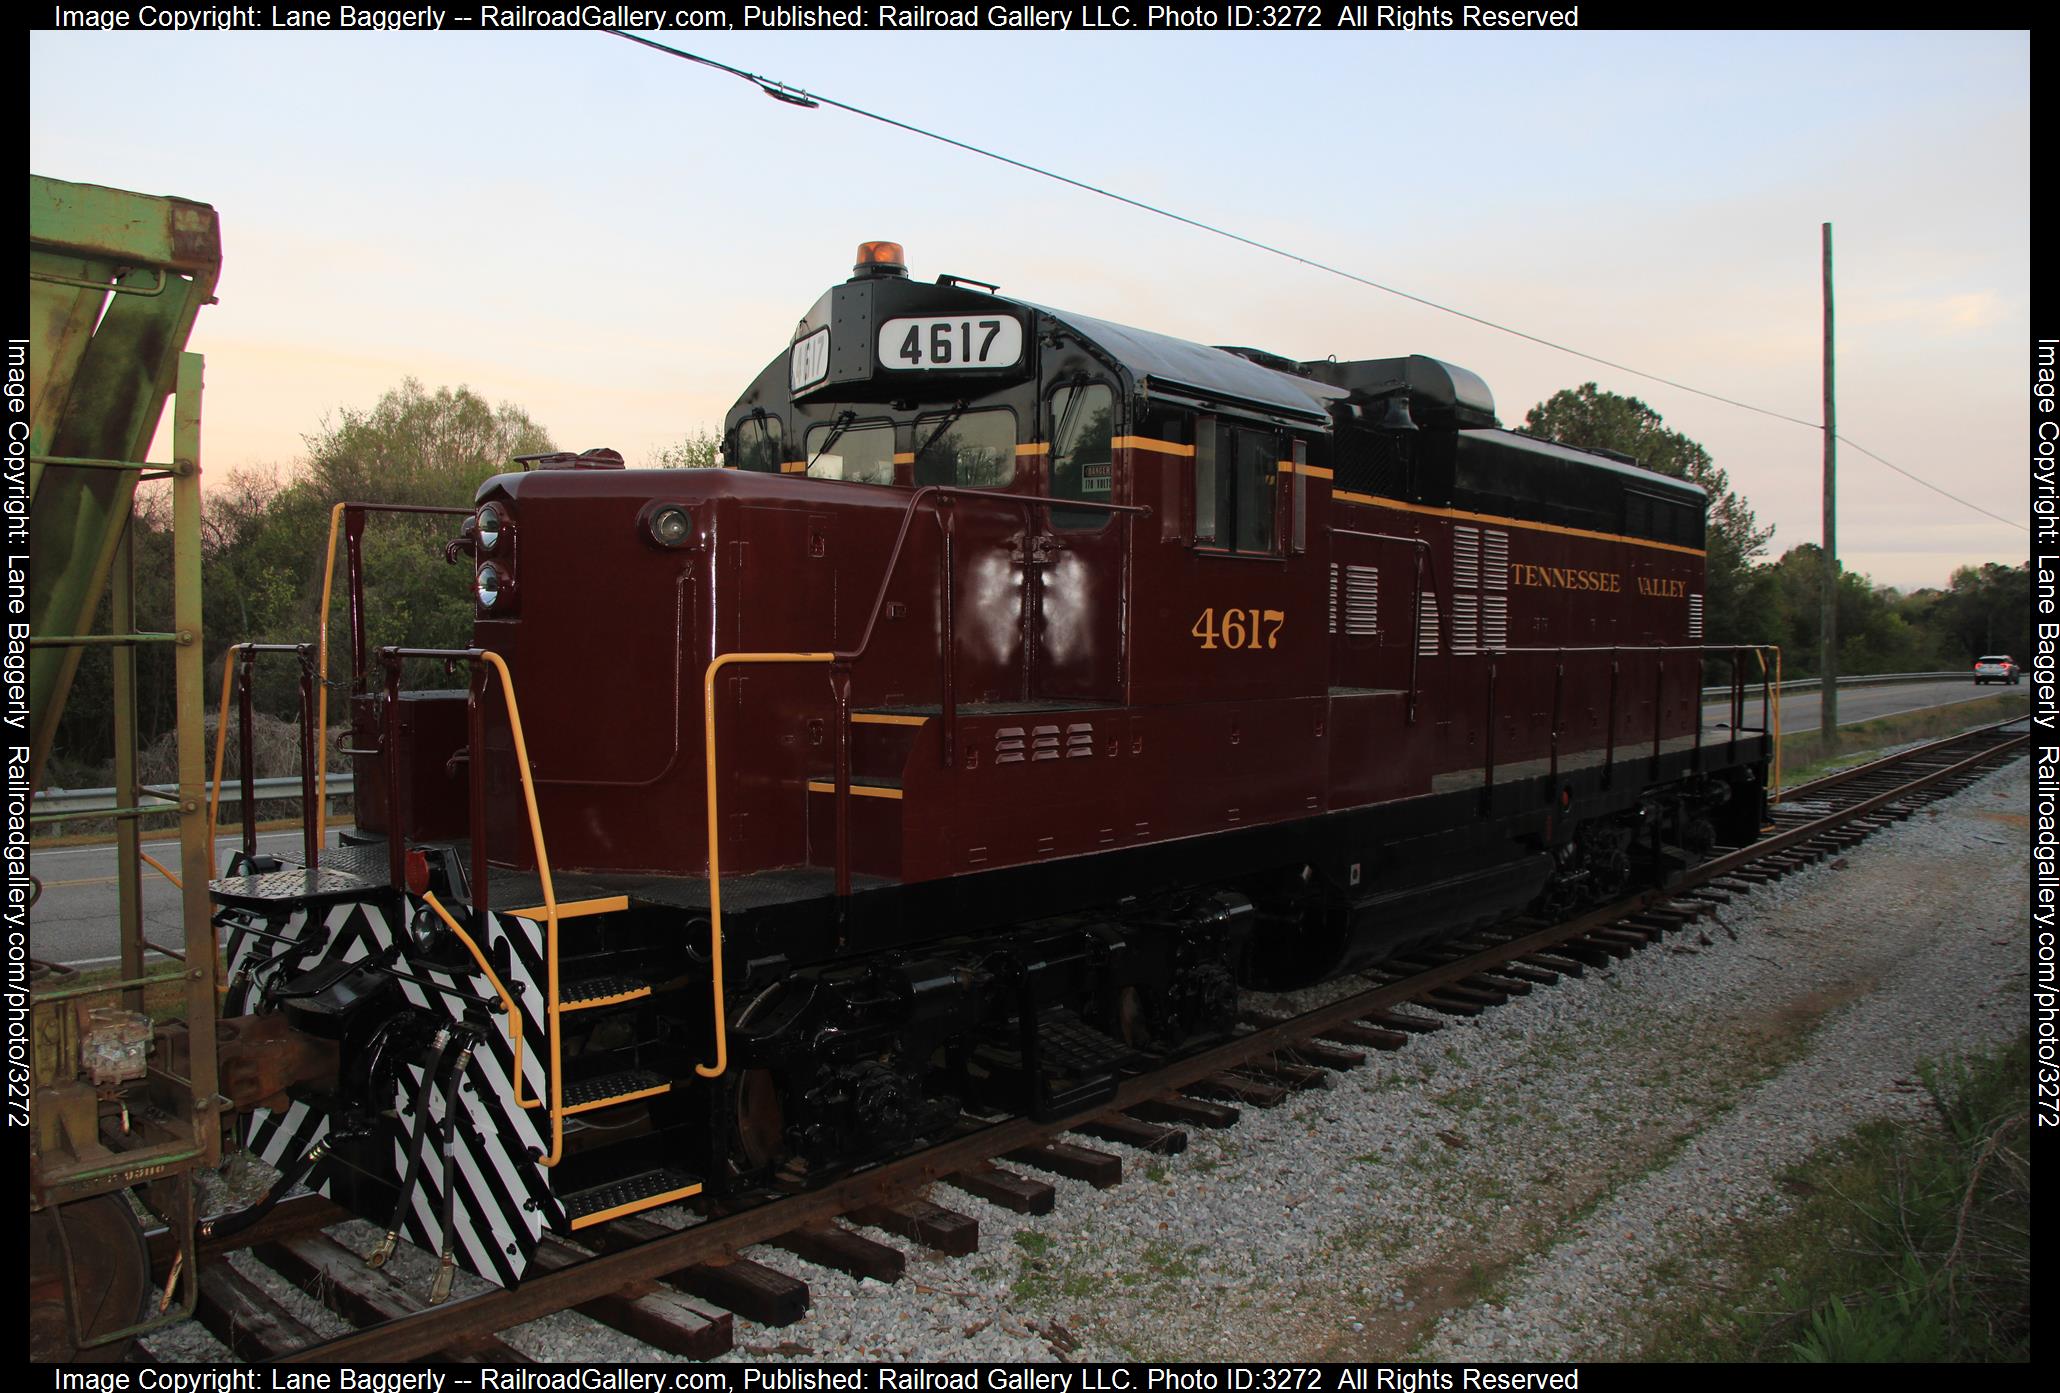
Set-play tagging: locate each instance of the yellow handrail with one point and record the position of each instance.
(214, 805)
(543, 871)
(159, 867)
(722, 1047)
(507, 1001)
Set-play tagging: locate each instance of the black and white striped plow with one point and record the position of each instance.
(446, 1146)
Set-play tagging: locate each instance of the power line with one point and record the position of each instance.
(796, 96)
(1928, 484)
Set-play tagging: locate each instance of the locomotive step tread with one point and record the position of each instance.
(646, 1190)
(609, 1089)
(611, 990)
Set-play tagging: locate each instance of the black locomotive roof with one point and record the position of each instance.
(1637, 475)
(1198, 374)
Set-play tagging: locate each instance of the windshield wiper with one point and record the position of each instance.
(942, 426)
(844, 418)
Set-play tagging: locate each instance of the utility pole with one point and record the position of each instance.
(1828, 629)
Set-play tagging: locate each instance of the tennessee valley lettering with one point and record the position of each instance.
(1610, 582)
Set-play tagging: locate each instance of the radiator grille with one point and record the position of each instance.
(1427, 625)
(1362, 600)
(1466, 623)
(1079, 742)
(1495, 560)
(1466, 557)
(1494, 621)
(1695, 617)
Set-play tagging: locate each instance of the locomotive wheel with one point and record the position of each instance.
(110, 1279)
(761, 1121)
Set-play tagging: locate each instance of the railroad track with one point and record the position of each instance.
(679, 1290)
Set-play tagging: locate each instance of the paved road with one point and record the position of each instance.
(1799, 709)
(75, 919)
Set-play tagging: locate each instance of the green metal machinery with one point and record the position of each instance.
(125, 1107)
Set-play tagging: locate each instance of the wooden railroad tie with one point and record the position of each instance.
(1019, 1194)
(1188, 1112)
(833, 1246)
(1097, 1168)
(339, 1279)
(919, 1221)
(1145, 1136)
(655, 1312)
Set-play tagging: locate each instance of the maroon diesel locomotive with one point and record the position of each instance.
(1023, 688)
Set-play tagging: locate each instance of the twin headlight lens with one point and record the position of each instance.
(671, 526)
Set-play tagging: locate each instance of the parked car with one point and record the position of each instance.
(1997, 667)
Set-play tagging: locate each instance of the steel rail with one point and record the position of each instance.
(1886, 762)
(415, 1336)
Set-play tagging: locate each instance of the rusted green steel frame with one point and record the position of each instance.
(196, 848)
(102, 365)
(153, 978)
(128, 836)
(100, 640)
(86, 462)
(200, 969)
(73, 815)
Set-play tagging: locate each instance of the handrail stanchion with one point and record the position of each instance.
(354, 574)
(840, 688)
(1659, 691)
(1609, 751)
(396, 853)
(947, 516)
(247, 775)
(1558, 695)
(1695, 709)
(311, 835)
(475, 755)
(1488, 783)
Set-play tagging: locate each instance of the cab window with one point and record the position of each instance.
(860, 452)
(975, 450)
(1237, 481)
(758, 444)
(1083, 420)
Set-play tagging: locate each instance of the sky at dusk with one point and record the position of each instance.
(617, 241)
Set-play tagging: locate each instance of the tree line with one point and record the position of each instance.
(264, 540)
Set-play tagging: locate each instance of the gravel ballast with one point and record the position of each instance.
(1507, 1188)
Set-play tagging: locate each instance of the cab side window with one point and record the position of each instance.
(1237, 488)
(1083, 427)
(758, 444)
(862, 452)
(975, 450)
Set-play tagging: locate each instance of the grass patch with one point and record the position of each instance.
(1804, 757)
(1906, 1244)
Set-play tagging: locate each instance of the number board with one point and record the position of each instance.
(961, 341)
(810, 361)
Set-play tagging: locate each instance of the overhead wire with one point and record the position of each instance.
(797, 96)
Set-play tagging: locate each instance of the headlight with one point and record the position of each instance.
(488, 585)
(490, 525)
(671, 526)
